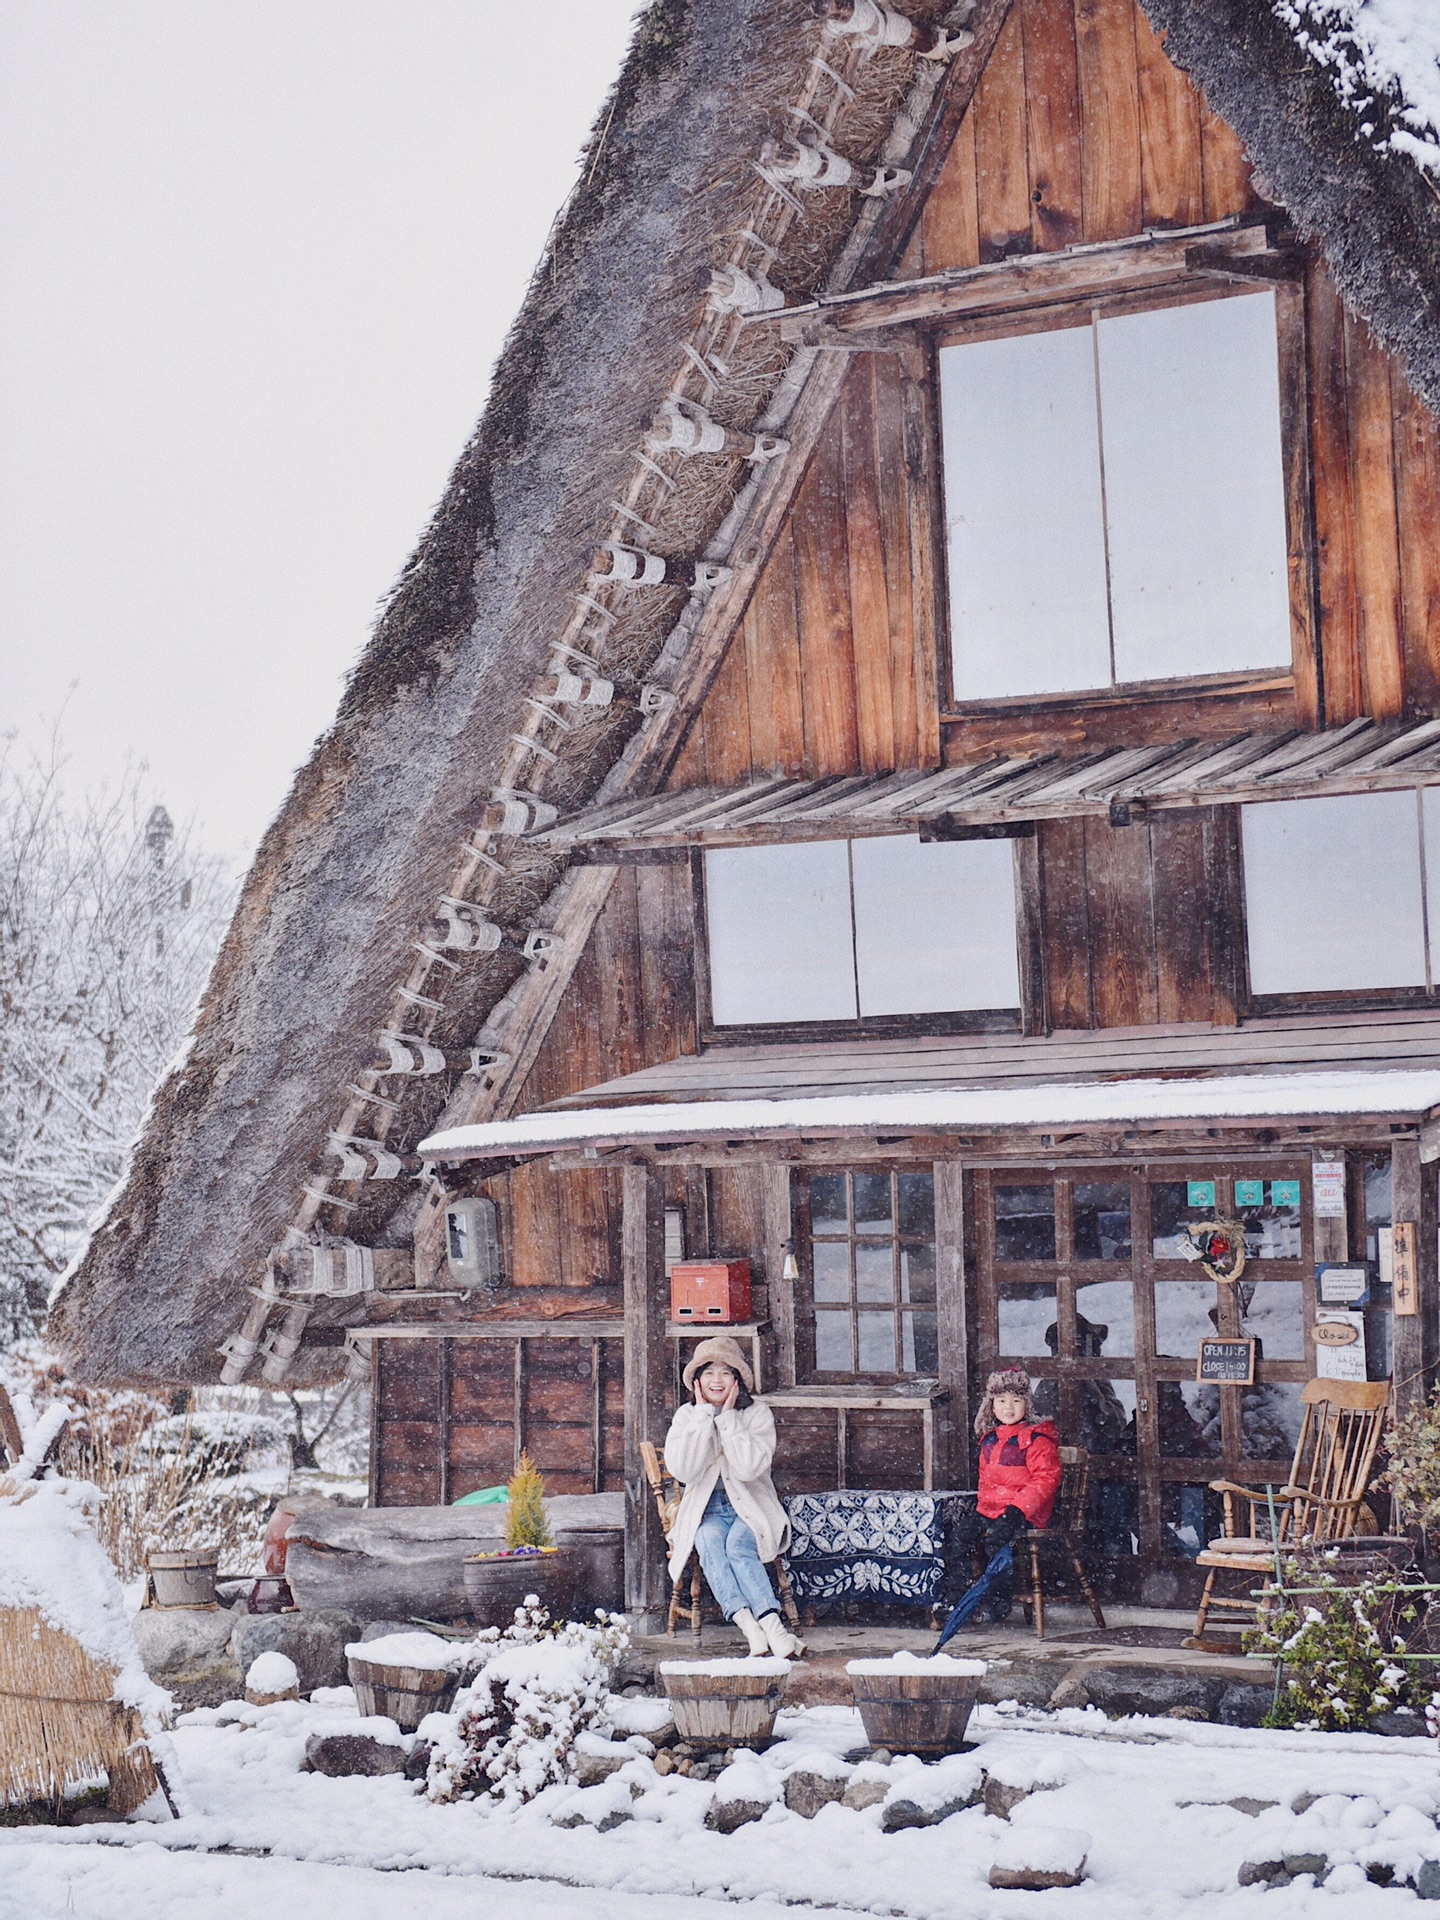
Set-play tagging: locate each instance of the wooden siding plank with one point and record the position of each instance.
(1052, 114)
(926, 556)
(1172, 170)
(727, 721)
(688, 769)
(772, 651)
(865, 552)
(1110, 104)
(1122, 924)
(1377, 550)
(1067, 923)
(1417, 474)
(1334, 518)
(1300, 540)
(897, 505)
(1002, 171)
(950, 225)
(667, 960)
(1182, 922)
(827, 664)
(1228, 186)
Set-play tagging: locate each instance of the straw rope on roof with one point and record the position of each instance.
(255, 1137)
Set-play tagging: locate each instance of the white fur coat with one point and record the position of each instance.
(736, 1445)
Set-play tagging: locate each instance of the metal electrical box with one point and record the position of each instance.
(472, 1243)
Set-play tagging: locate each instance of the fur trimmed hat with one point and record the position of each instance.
(727, 1352)
(1007, 1380)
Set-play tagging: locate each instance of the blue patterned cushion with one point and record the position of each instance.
(876, 1546)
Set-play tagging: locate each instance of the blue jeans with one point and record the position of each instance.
(731, 1559)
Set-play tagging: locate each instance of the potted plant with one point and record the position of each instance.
(529, 1562)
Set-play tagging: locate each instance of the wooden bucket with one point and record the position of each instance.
(915, 1710)
(184, 1579)
(495, 1586)
(730, 1708)
(403, 1694)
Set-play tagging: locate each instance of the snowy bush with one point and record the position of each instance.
(514, 1728)
(1341, 1648)
(1413, 1475)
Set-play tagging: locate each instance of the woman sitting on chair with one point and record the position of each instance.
(720, 1446)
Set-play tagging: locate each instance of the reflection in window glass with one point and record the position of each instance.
(1270, 1419)
(1114, 1521)
(827, 1203)
(919, 1343)
(1025, 1223)
(1274, 1316)
(1185, 1314)
(1185, 1518)
(833, 1352)
(917, 1203)
(917, 1275)
(934, 925)
(1272, 1233)
(874, 1272)
(1365, 926)
(1189, 1420)
(1102, 1220)
(877, 1342)
(1104, 1319)
(872, 1202)
(1027, 1315)
(810, 974)
(832, 1272)
(1107, 1416)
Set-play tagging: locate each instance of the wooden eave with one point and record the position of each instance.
(1009, 790)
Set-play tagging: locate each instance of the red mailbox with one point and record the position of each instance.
(715, 1290)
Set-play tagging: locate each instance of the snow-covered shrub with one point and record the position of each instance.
(1342, 1651)
(1413, 1475)
(514, 1728)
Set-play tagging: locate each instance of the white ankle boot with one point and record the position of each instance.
(778, 1638)
(754, 1633)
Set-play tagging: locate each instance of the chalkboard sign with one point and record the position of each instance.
(1229, 1363)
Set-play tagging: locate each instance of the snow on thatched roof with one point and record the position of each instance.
(243, 1136)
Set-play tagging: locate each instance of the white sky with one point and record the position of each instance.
(257, 258)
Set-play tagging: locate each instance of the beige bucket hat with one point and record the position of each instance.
(727, 1352)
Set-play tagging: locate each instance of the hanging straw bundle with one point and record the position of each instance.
(61, 1729)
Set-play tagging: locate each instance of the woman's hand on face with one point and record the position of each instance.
(732, 1395)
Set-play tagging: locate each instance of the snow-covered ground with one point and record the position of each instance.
(1152, 1801)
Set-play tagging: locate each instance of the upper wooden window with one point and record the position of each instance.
(1342, 893)
(1114, 501)
(845, 930)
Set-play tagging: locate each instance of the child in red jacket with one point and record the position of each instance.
(1019, 1479)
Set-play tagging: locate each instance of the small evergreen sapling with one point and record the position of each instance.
(526, 1528)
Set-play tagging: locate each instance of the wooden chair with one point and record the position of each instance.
(1324, 1499)
(1062, 1537)
(668, 1491)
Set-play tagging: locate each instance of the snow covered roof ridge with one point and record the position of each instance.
(1336, 103)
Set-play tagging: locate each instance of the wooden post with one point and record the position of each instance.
(447, 1348)
(778, 1231)
(1408, 1180)
(642, 1260)
(953, 1327)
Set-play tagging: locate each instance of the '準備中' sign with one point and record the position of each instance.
(1229, 1363)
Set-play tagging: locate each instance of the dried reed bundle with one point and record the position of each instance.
(60, 1727)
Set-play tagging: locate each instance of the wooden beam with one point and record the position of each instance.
(1408, 1180)
(642, 1259)
(952, 1318)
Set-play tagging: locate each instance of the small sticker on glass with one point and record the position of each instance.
(1284, 1193)
(1199, 1193)
(1249, 1193)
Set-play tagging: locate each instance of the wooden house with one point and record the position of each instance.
(910, 755)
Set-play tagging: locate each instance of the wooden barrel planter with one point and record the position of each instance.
(725, 1703)
(497, 1583)
(184, 1579)
(914, 1705)
(403, 1690)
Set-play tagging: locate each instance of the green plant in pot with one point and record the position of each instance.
(497, 1583)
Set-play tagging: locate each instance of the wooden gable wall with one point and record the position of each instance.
(1080, 131)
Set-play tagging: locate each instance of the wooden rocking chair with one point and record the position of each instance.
(1063, 1536)
(1323, 1500)
(668, 1491)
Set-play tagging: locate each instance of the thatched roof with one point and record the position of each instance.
(346, 879)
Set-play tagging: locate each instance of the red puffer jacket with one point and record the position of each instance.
(1020, 1467)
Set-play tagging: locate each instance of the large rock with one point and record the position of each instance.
(405, 1563)
(315, 1641)
(806, 1791)
(344, 1754)
(1152, 1690)
(187, 1649)
(728, 1816)
(1243, 1704)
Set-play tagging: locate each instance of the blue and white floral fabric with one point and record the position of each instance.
(867, 1546)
